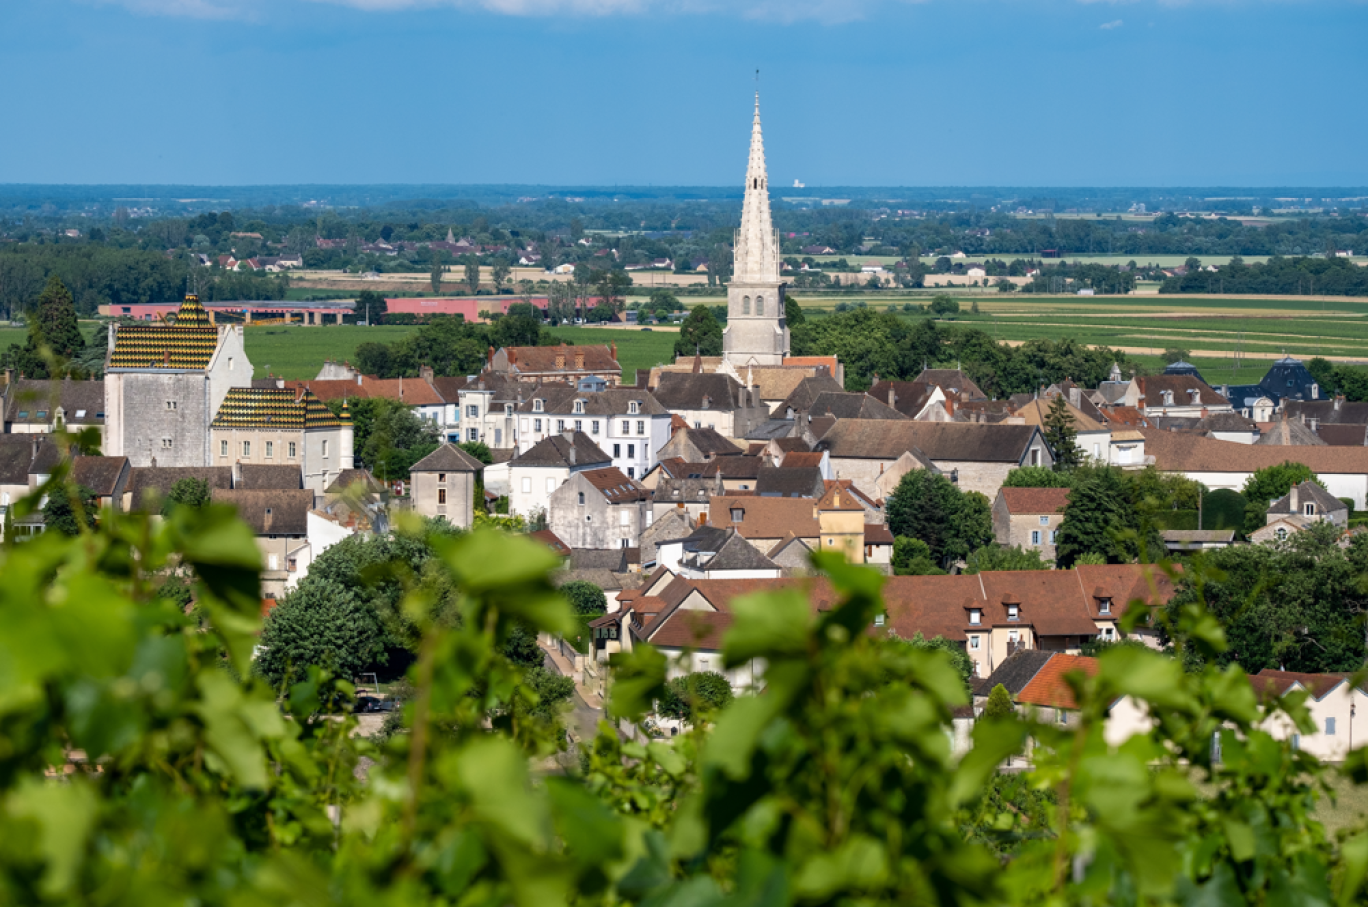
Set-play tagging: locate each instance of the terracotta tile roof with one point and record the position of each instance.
(830, 362)
(1279, 682)
(949, 379)
(1035, 413)
(563, 358)
(837, 498)
(187, 344)
(798, 459)
(409, 391)
(878, 534)
(615, 486)
(449, 389)
(735, 467)
(849, 485)
(1049, 687)
(1034, 500)
(550, 540)
(339, 389)
(1125, 415)
(1152, 388)
(958, 441)
(765, 518)
(689, 629)
(1175, 452)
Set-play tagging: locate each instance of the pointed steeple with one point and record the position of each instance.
(757, 245)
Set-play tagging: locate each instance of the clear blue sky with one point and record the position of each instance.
(567, 92)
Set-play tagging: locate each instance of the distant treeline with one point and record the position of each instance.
(99, 275)
(450, 346)
(1277, 276)
(873, 343)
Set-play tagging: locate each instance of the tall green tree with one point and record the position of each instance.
(61, 514)
(499, 273)
(999, 703)
(928, 506)
(320, 624)
(435, 273)
(699, 332)
(53, 323)
(1267, 485)
(995, 557)
(1062, 436)
(1036, 477)
(1099, 519)
(373, 306)
(472, 274)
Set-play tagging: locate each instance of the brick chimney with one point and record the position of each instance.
(613, 350)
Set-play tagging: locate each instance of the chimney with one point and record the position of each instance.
(1293, 500)
(613, 349)
(425, 372)
(266, 523)
(490, 357)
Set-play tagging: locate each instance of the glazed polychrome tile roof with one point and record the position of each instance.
(189, 343)
(276, 408)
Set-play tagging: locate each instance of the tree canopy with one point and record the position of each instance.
(927, 506)
(699, 333)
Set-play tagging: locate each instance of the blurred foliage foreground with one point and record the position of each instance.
(137, 767)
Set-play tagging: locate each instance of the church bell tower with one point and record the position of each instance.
(757, 332)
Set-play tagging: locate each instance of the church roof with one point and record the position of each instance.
(189, 343)
(757, 246)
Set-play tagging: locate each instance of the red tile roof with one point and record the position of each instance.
(1049, 686)
(1279, 682)
(1035, 500)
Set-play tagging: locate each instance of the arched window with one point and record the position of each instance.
(745, 306)
(759, 305)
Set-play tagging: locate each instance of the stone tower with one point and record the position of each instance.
(756, 332)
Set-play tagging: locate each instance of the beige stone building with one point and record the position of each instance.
(1029, 518)
(164, 385)
(444, 485)
(276, 426)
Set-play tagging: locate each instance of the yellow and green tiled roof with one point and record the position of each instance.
(275, 408)
(187, 344)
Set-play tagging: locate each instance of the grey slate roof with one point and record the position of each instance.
(792, 482)
(1017, 670)
(81, 401)
(559, 399)
(675, 491)
(614, 559)
(852, 406)
(264, 476)
(709, 442)
(448, 458)
(736, 553)
(159, 480)
(1328, 412)
(272, 512)
(802, 397)
(1291, 432)
(950, 379)
(16, 453)
(964, 441)
(687, 391)
(101, 475)
(769, 429)
(1308, 492)
(580, 451)
(348, 477)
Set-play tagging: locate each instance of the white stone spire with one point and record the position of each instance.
(757, 245)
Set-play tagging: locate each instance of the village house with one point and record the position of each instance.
(443, 485)
(711, 401)
(1029, 518)
(283, 426)
(976, 457)
(279, 520)
(1304, 505)
(533, 476)
(598, 509)
(627, 423)
(558, 363)
(41, 406)
(165, 384)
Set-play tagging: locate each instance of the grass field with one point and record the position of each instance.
(1213, 328)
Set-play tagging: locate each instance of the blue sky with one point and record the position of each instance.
(580, 92)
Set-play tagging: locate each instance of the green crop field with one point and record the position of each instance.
(637, 349)
(299, 351)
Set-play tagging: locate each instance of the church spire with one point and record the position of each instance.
(757, 246)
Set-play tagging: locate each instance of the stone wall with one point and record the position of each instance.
(459, 507)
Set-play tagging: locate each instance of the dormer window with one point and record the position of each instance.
(1104, 606)
(537, 405)
(1310, 509)
(633, 407)
(579, 407)
(737, 514)
(508, 409)
(1195, 394)
(975, 616)
(1168, 398)
(1014, 612)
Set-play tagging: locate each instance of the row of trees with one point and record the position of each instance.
(451, 346)
(873, 343)
(1277, 276)
(98, 275)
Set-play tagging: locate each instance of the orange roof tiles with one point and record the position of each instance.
(1035, 500)
(1049, 686)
